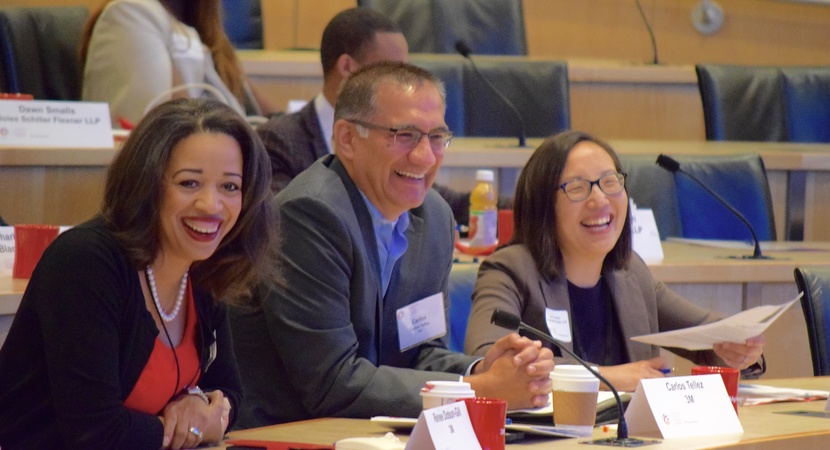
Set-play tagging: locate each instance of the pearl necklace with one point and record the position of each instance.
(164, 316)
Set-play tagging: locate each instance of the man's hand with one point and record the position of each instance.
(515, 369)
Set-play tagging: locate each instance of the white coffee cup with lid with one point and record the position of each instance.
(439, 393)
(575, 392)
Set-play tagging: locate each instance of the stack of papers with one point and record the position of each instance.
(757, 394)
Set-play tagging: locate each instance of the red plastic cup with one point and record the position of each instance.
(488, 416)
(730, 376)
(505, 226)
(29, 243)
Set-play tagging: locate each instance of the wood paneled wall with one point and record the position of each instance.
(762, 32)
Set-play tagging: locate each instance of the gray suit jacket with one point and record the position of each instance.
(326, 344)
(509, 280)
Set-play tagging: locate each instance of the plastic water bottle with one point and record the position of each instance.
(483, 212)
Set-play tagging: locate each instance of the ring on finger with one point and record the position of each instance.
(196, 431)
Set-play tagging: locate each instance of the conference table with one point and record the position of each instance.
(764, 428)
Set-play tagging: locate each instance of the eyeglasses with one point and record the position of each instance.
(578, 190)
(410, 137)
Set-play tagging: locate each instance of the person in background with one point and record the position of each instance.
(571, 259)
(122, 337)
(133, 52)
(353, 38)
(364, 238)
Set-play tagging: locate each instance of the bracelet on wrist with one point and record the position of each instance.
(197, 391)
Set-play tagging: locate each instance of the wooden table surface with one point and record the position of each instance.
(763, 428)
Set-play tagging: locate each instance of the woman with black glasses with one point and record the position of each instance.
(570, 270)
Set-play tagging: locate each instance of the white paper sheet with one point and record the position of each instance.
(736, 328)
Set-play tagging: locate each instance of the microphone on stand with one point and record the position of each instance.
(670, 164)
(462, 48)
(512, 322)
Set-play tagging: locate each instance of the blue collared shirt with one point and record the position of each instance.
(390, 240)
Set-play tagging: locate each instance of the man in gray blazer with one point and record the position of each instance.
(364, 238)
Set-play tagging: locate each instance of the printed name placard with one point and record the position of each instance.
(421, 321)
(40, 123)
(680, 407)
(6, 250)
(645, 239)
(444, 427)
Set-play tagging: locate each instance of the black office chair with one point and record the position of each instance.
(539, 90)
(742, 181)
(807, 102)
(742, 103)
(652, 187)
(39, 51)
(451, 72)
(242, 21)
(814, 282)
(489, 27)
(683, 209)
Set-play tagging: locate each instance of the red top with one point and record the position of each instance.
(154, 388)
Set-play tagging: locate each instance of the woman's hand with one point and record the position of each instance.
(189, 421)
(625, 377)
(741, 356)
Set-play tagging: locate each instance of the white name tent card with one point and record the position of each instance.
(736, 328)
(6, 250)
(645, 239)
(446, 427)
(40, 123)
(680, 407)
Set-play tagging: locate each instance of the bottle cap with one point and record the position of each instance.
(485, 175)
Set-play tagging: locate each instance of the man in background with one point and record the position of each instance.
(353, 38)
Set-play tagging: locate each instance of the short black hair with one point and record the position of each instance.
(350, 31)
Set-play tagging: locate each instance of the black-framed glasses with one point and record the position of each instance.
(579, 189)
(410, 137)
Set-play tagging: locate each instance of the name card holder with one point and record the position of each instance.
(6, 251)
(58, 124)
(682, 407)
(445, 427)
(645, 239)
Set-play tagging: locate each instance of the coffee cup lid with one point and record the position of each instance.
(446, 387)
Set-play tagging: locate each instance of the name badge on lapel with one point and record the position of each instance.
(421, 321)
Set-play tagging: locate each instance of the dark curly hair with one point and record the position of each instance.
(134, 190)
